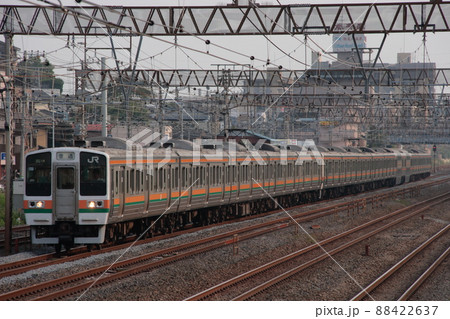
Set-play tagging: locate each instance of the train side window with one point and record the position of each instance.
(132, 181)
(308, 169)
(160, 178)
(211, 175)
(135, 185)
(154, 178)
(175, 178)
(116, 184)
(231, 174)
(151, 178)
(316, 169)
(121, 179)
(216, 175)
(201, 181)
(227, 174)
(197, 169)
(292, 170)
(166, 177)
(138, 181)
(299, 171)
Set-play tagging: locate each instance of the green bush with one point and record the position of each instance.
(18, 217)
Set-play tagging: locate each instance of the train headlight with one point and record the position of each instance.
(40, 204)
(94, 204)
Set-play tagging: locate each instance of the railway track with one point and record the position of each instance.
(382, 280)
(76, 283)
(373, 200)
(417, 284)
(237, 288)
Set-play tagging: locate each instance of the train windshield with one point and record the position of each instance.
(92, 174)
(39, 174)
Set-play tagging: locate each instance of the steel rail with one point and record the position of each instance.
(388, 273)
(413, 288)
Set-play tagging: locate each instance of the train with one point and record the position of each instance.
(107, 190)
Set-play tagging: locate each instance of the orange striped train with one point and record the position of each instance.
(96, 194)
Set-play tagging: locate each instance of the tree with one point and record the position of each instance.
(35, 73)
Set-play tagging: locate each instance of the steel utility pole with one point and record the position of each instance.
(8, 122)
(104, 101)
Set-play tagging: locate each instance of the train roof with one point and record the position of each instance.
(117, 148)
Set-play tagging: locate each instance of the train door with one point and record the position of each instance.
(114, 185)
(275, 175)
(207, 183)
(222, 179)
(66, 193)
(237, 179)
(168, 183)
(121, 190)
(408, 167)
(302, 170)
(146, 189)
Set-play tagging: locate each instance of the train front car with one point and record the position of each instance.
(66, 198)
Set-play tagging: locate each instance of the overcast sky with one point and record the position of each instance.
(162, 55)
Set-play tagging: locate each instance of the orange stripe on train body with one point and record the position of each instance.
(118, 162)
(198, 191)
(158, 196)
